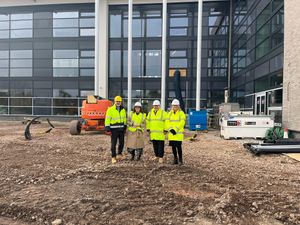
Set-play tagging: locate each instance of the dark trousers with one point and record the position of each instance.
(159, 148)
(177, 149)
(115, 135)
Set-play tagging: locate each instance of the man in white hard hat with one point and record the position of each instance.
(135, 137)
(156, 126)
(175, 125)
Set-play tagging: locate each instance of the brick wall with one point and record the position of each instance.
(291, 76)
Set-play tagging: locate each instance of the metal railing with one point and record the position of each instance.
(40, 106)
(63, 106)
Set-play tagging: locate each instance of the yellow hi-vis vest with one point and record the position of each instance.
(156, 124)
(114, 118)
(136, 121)
(176, 121)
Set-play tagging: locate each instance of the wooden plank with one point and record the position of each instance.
(295, 156)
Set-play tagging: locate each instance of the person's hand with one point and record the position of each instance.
(173, 131)
(107, 129)
(108, 132)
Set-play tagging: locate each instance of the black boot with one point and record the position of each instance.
(180, 162)
(139, 154)
(175, 161)
(132, 155)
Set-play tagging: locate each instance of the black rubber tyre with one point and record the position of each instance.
(75, 127)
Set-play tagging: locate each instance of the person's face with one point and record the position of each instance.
(156, 107)
(137, 109)
(118, 103)
(175, 108)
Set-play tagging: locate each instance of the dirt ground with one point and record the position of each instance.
(70, 178)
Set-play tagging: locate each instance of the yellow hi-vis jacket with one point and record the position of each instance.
(176, 121)
(136, 121)
(156, 124)
(115, 119)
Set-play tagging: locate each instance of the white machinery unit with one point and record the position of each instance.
(245, 126)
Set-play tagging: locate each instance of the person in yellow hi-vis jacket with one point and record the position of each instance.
(135, 136)
(116, 124)
(175, 125)
(156, 126)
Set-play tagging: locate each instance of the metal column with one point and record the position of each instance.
(97, 29)
(163, 55)
(199, 48)
(129, 87)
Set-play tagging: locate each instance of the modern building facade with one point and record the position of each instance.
(47, 53)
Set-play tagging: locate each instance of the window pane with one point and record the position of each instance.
(153, 13)
(87, 22)
(65, 23)
(4, 17)
(65, 14)
(21, 33)
(23, 24)
(65, 54)
(87, 14)
(178, 32)
(178, 12)
(22, 72)
(179, 22)
(3, 72)
(4, 34)
(153, 27)
(178, 63)
(153, 63)
(87, 32)
(17, 54)
(65, 62)
(3, 63)
(65, 72)
(178, 53)
(87, 62)
(87, 72)
(65, 92)
(27, 16)
(115, 26)
(4, 25)
(87, 53)
(138, 30)
(137, 63)
(21, 63)
(65, 32)
(115, 63)
(21, 92)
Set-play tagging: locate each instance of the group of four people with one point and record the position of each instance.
(157, 123)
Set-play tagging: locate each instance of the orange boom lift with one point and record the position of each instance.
(92, 115)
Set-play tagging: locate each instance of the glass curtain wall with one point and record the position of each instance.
(46, 58)
(257, 51)
(181, 51)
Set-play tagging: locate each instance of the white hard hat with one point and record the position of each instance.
(175, 102)
(137, 104)
(156, 102)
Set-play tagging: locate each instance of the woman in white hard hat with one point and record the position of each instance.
(175, 125)
(135, 135)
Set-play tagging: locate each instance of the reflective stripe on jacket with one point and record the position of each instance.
(114, 118)
(136, 121)
(156, 124)
(176, 121)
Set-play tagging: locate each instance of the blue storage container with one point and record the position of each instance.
(198, 120)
